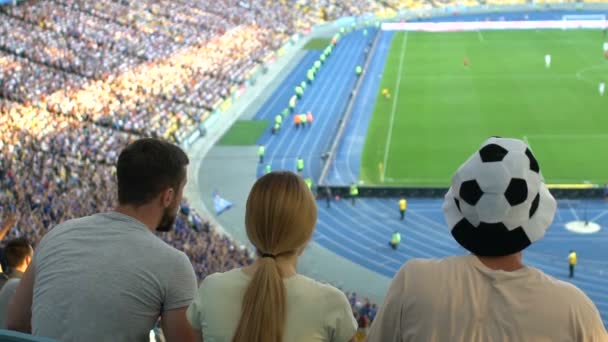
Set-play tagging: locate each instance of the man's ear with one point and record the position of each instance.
(167, 197)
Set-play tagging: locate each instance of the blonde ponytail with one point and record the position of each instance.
(280, 218)
(263, 310)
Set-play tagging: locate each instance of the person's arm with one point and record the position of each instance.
(181, 289)
(10, 221)
(195, 312)
(198, 335)
(386, 326)
(176, 327)
(588, 325)
(340, 320)
(19, 313)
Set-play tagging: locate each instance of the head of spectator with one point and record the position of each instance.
(151, 176)
(498, 203)
(280, 218)
(18, 253)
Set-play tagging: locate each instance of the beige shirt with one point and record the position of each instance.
(458, 299)
(315, 311)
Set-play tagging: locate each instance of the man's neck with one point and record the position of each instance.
(19, 269)
(508, 263)
(143, 214)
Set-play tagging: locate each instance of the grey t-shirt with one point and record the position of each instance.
(7, 292)
(106, 277)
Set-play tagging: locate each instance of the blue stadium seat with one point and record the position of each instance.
(13, 336)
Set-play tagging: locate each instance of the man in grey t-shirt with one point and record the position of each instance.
(107, 277)
(7, 292)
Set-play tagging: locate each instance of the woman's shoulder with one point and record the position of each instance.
(223, 279)
(318, 289)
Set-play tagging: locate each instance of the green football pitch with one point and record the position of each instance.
(440, 111)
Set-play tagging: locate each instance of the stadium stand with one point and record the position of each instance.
(80, 80)
(505, 2)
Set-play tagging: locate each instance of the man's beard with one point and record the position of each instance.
(168, 219)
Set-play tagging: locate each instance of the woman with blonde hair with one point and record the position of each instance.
(268, 301)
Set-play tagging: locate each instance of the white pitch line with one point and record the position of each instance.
(480, 36)
(573, 211)
(597, 217)
(390, 127)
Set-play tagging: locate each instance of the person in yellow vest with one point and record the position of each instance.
(276, 128)
(354, 192)
(572, 262)
(402, 207)
(308, 182)
(395, 240)
(300, 164)
(261, 153)
(386, 93)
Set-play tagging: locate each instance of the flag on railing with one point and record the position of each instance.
(220, 204)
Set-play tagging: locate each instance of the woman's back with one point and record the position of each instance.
(315, 311)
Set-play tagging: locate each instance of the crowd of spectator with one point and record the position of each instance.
(153, 69)
(79, 80)
(364, 311)
(53, 168)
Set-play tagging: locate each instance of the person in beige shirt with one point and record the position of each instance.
(268, 301)
(496, 207)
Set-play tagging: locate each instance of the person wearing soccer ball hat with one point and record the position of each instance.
(497, 205)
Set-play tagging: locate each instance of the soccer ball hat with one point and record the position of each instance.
(498, 203)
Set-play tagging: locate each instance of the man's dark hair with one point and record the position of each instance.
(16, 251)
(147, 167)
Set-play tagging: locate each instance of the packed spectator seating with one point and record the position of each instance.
(25, 81)
(400, 5)
(364, 311)
(505, 2)
(133, 65)
(79, 80)
(553, 1)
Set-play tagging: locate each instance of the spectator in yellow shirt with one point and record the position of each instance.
(572, 262)
(402, 207)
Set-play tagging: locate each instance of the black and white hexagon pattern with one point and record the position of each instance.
(497, 203)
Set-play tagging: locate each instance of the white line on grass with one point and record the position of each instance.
(480, 36)
(390, 127)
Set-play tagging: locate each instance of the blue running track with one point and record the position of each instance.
(345, 168)
(326, 98)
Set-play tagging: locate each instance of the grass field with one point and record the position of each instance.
(244, 133)
(441, 111)
(317, 44)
